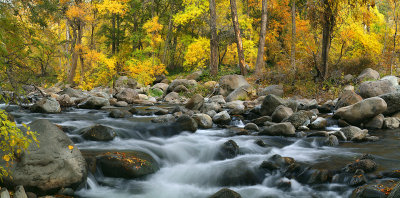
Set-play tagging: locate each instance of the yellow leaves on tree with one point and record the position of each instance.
(80, 11)
(153, 29)
(145, 71)
(117, 7)
(193, 10)
(198, 54)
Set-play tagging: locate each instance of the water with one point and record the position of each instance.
(187, 161)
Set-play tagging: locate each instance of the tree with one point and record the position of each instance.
(293, 50)
(263, 30)
(214, 40)
(235, 22)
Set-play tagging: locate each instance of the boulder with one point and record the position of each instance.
(393, 79)
(367, 165)
(172, 97)
(306, 104)
(186, 123)
(125, 82)
(276, 90)
(368, 74)
(210, 106)
(370, 89)
(229, 83)
(65, 101)
(375, 122)
(361, 111)
(354, 133)
(300, 118)
(20, 192)
(180, 89)
(195, 75)
(218, 99)
(270, 103)
(210, 85)
(161, 86)
(54, 164)
(251, 127)
(319, 123)
(393, 102)
(241, 93)
(281, 112)
(4, 193)
(281, 129)
(73, 93)
(226, 193)
(222, 117)
(348, 78)
(98, 133)
(120, 113)
(347, 98)
(169, 118)
(228, 150)
(121, 104)
(195, 103)
(94, 103)
(391, 123)
(46, 105)
(184, 82)
(128, 95)
(235, 107)
(129, 164)
(331, 141)
(204, 121)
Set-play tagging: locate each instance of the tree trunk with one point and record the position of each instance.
(214, 40)
(167, 42)
(293, 50)
(117, 39)
(113, 35)
(236, 27)
(395, 18)
(261, 45)
(74, 61)
(327, 29)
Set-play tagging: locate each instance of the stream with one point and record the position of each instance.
(188, 168)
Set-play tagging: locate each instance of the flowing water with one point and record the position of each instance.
(188, 168)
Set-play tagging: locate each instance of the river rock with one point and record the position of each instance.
(228, 150)
(98, 133)
(195, 75)
(375, 123)
(347, 98)
(130, 164)
(368, 74)
(391, 123)
(241, 93)
(172, 97)
(187, 123)
(361, 111)
(306, 104)
(161, 86)
(125, 82)
(354, 133)
(120, 113)
(393, 102)
(4, 193)
(319, 123)
(46, 105)
(218, 99)
(276, 90)
(94, 103)
(195, 103)
(395, 192)
(281, 112)
(367, 165)
(20, 192)
(184, 82)
(251, 127)
(211, 106)
(270, 103)
(128, 95)
(65, 101)
(261, 120)
(222, 117)
(281, 129)
(229, 83)
(226, 193)
(204, 121)
(169, 118)
(235, 107)
(121, 104)
(331, 141)
(180, 89)
(301, 118)
(73, 93)
(56, 163)
(370, 89)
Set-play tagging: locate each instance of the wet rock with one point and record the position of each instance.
(301, 118)
(339, 134)
(319, 123)
(226, 193)
(204, 121)
(20, 192)
(228, 150)
(331, 141)
(94, 103)
(370, 89)
(195, 103)
(393, 102)
(281, 129)
(251, 126)
(367, 165)
(130, 165)
(361, 111)
(368, 74)
(164, 119)
(354, 133)
(270, 166)
(128, 95)
(259, 142)
(222, 118)
(395, 193)
(98, 133)
(157, 110)
(229, 83)
(358, 178)
(391, 123)
(281, 112)
(120, 113)
(318, 134)
(187, 123)
(126, 82)
(276, 90)
(241, 93)
(56, 163)
(270, 103)
(65, 101)
(240, 173)
(318, 176)
(172, 97)
(375, 123)
(347, 98)
(376, 190)
(46, 105)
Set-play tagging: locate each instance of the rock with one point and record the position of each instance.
(222, 118)
(331, 141)
(130, 165)
(125, 82)
(218, 99)
(361, 111)
(31, 195)
(235, 107)
(161, 86)
(259, 142)
(46, 105)
(204, 121)
(211, 106)
(368, 74)
(98, 133)
(276, 90)
(327, 107)
(281, 129)
(172, 97)
(391, 123)
(128, 95)
(180, 89)
(301, 118)
(348, 88)
(306, 104)
(231, 82)
(375, 123)
(347, 98)
(393, 79)
(94, 103)
(157, 110)
(121, 104)
(358, 178)
(164, 119)
(348, 78)
(161, 79)
(4, 193)
(370, 89)
(281, 112)
(65, 101)
(20, 192)
(241, 93)
(367, 165)
(251, 127)
(261, 120)
(143, 97)
(187, 123)
(270, 103)
(195, 75)
(228, 150)
(354, 133)
(319, 123)
(210, 85)
(56, 163)
(119, 113)
(339, 134)
(211, 113)
(395, 192)
(226, 193)
(393, 102)
(195, 103)
(72, 93)
(184, 82)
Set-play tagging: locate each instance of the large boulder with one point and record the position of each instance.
(94, 103)
(172, 97)
(368, 74)
(347, 98)
(184, 82)
(229, 83)
(281, 112)
(65, 101)
(226, 193)
(128, 95)
(228, 150)
(242, 93)
(270, 103)
(56, 163)
(354, 133)
(126, 82)
(281, 129)
(361, 111)
(46, 105)
(210, 106)
(98, 133)
(277, 90)
(195, 103)
(161, 86)
(300, 118)
(222, 117)
(393, 102)
(375, 123)
(204, 121)
(370, 89)
(73, 93)
(186, 123)
(319, 123)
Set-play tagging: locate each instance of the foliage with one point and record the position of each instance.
(198, 54)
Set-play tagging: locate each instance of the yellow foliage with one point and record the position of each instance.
(198, 54)
(75, 11)
(144, 71)
(249, 50)
(112, 7)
